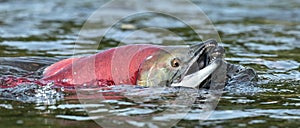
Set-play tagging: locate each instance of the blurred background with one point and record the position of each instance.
(264, 35)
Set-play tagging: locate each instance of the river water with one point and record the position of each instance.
(263, 35)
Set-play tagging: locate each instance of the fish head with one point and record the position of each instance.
(184, 65)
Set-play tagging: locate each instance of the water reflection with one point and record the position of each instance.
(263, 35)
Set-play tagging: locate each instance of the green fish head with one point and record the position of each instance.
(184, 65)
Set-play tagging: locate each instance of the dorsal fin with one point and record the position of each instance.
(54, 68)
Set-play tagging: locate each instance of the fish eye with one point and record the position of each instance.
(175, 63)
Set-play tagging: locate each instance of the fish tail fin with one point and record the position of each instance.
(12, 81)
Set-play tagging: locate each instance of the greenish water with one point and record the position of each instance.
(264, 35)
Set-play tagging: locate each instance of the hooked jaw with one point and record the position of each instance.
(206, 58)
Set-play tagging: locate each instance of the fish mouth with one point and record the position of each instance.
(206, 57)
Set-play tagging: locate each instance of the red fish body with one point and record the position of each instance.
(114, 66)
(143, 64)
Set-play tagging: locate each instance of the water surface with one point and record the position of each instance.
(262, 35)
